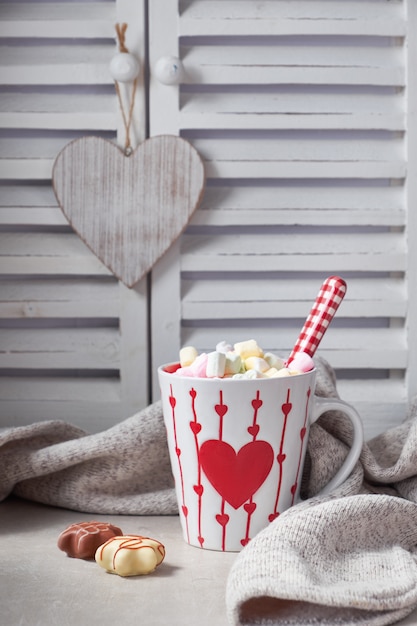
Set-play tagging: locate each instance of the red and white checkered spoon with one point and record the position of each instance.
(327, 302)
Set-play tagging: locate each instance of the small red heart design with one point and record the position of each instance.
(178, 451)
(222, 519)
(273, 516)
(244, 542)
(303, 433)
(184, 511)
(286, 408)
(256, 404)
(195, 427)
(172, 401)
(129, 210)
(281, 458)
(249, 507)
(221, 409)
(193, 393)
(236, 476)
(253, 430)
(200, 540)
(294, 488)
(198, 489)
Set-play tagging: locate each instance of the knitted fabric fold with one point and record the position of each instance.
(347, 558)
(345, 561)
(123, 470)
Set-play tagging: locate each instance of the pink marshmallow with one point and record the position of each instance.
(301, 362)
(197, 369)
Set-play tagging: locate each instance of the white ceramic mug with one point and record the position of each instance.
(237, 450)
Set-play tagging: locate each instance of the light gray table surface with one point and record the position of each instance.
(41, 586)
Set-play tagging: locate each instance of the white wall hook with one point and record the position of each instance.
(169, 70)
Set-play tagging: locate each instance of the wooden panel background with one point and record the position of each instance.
(304, 117)
(73, 341)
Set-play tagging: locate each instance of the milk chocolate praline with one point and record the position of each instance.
(81, 540)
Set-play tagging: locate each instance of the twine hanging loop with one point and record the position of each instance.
(124, 68)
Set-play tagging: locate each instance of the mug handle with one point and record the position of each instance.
(321, 405)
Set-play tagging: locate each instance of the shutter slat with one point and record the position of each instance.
(306, 169)
(61, 111)
(69, 64)
(296, 121)
(55, 298)
(311, 217)
(204, 18)
(222, 75)
(306, 205)
(50, 266)
(53, 19)
(84, 348)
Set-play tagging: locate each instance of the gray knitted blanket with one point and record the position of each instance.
(347, 558)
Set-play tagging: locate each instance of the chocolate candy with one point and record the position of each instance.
(131, 555)
(81, 540)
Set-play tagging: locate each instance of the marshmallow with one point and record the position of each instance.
(216, 362)
(248, 348)
(274, 360)
(197, 369)
(233, 363)
(188, 355)
(245, 360)
(251, 374)
(302, 362)
(283, 372)
(271, 373)
(256, 363)
(130, 555)
(223, 346)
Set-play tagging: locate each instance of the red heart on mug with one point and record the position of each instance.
(195, 427)
(236, 476)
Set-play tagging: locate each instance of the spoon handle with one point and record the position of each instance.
(325, 306)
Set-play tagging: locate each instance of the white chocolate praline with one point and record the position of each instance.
(130, 555)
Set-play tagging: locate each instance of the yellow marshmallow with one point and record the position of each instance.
(248, 348)
(256, 363)
(271, 373)
(188, 354)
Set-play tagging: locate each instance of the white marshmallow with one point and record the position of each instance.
(224, 347)
(216, 362)
(274, 360)
(233, 363)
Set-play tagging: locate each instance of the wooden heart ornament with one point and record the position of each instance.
(129, 209)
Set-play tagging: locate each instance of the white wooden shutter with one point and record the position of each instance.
(304, 113)
(73, 341)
